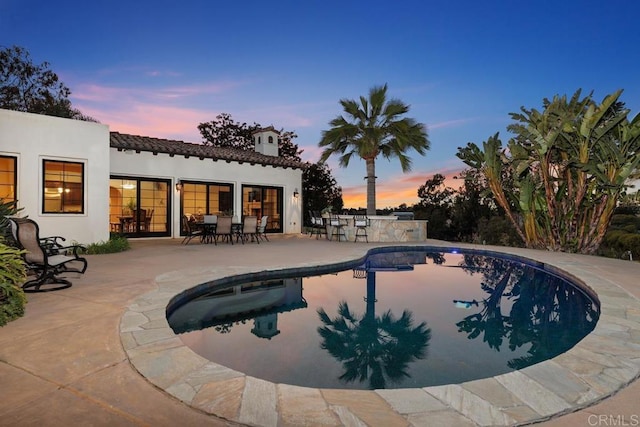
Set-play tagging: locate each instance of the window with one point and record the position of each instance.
(8, 178)
(270, 139)
(63, 187)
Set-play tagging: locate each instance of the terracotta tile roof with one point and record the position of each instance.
(123, 141)
(268, 128)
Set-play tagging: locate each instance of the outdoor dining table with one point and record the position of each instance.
(126, 223)
(208, 231)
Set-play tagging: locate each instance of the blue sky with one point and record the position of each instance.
(159, 68)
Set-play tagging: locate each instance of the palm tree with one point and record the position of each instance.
(372, 127)
(374, 348)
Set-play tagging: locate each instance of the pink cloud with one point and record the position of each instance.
(120, 95)
(450, 123)
(156, 121)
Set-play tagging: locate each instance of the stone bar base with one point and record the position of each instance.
(384, 229)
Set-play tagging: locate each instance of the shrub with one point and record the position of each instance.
(7, 209)
(497, 230)
(116, 243)
(628, 210)
(622, 238)
(12, 275)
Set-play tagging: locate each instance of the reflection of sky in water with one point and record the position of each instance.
(294, 355)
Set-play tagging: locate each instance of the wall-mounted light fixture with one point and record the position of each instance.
(295, 193)
(179, 185)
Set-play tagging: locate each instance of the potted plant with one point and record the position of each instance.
(131, 206)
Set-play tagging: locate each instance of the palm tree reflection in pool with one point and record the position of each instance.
(546, 313)
(377, 348)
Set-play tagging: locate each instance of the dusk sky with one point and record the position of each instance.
(159, 68)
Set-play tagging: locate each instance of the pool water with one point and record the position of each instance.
(401, 319)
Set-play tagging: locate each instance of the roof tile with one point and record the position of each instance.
(123, 141)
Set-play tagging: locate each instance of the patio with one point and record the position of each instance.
(68, 360)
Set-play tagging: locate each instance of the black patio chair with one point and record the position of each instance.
(46, 258)
(190, 232)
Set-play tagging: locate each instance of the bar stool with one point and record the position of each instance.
(361, 222)
(337, 227)
(317, 225)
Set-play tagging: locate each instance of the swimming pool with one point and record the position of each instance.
(397, 319)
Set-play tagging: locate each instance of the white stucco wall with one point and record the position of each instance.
(33, 138)
(147, 165)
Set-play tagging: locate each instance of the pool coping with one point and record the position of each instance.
(602, 363)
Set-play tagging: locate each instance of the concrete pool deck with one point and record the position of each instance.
(101, 353)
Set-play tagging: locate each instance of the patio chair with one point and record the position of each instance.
(146, 222)
(46, 258)
(262, 227)
(224, 229)
(139, 216)
(189, 230)
(210, 219)
(249, 229)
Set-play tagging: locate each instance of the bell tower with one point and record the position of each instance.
(266, 141)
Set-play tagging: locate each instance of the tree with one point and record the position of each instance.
(374, 348)
(320, 190)
(527, 307)
(471, 205)
(226, 133)
(435, 205)
(374, 127)
(568, 163)
(434, 192)
(31, 88)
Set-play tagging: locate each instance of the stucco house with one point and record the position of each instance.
(79, 180)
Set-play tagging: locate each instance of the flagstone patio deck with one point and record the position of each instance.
(101, 353)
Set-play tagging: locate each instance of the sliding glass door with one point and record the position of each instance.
(259, 201)
(205, 198)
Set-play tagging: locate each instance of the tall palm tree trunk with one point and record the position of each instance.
(371, 295)
(371, 186)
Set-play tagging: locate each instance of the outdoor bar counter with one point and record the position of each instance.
(384, 229)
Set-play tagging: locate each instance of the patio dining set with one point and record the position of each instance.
(211, 228)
